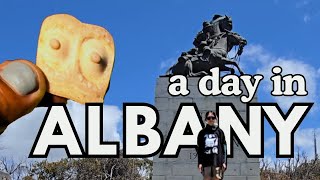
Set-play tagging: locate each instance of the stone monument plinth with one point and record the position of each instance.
(185, 166)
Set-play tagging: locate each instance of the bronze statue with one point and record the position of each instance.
(212, 45)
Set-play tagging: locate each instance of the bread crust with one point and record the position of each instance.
(77, 58)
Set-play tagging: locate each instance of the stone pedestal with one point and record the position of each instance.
(185, 166)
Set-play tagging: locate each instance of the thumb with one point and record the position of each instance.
(22, 86)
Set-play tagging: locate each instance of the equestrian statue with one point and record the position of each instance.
(212, 45)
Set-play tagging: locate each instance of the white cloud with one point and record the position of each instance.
(306, 18)
(302, 3)
(19, 137)
(318, 72)
(304, 140)
(257, 56)
(269, 143)
(166, 64)
(276, 1)
(291, 66)
(304, 137)
(309, 9)
(232, 53)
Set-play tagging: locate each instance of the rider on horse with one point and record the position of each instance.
(212, 45)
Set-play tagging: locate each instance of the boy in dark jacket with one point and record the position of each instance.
(212, 149)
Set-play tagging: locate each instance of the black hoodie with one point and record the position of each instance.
(211, 147)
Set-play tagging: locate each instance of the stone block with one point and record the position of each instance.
(162, 92)
(183, 169)
(235, 178)
(193, 88)
(163, 82)
(238, 155)
(205, 103)
(197, 177)
(156, 159)
(186, 155)
(158, 178)
(233, 169)
(179, 178)
(250, 169)
(255, 160)
(253, 177)
(174, 103)
(162, 169)
(195, 93)
(193, 81)
(162, 103)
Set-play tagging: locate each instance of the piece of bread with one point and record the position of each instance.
(77, 58)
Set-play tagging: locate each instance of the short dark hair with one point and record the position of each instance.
(207, 113)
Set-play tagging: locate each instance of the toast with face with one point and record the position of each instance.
(76, 58)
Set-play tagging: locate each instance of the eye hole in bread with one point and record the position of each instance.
(93, 59)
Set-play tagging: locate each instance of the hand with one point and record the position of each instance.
(49, 99)
(200, 168)
(224, 167)
(22, 87)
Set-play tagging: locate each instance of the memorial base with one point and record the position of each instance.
(185, 166)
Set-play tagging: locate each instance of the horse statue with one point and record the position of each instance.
(212, 45)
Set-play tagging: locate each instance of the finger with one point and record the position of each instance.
(22, 86)
(50, 99)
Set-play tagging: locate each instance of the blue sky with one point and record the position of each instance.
(150, 35)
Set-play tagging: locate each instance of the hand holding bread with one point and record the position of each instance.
(74, 61)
